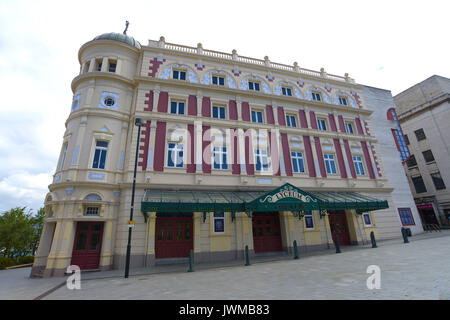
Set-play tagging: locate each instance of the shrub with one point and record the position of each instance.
(9, 262)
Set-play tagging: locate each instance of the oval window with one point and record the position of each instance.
(109, 101)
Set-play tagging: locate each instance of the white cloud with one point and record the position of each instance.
(40, 40)
(24, 189)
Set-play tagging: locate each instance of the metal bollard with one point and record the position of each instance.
(295, 250)
(336, 244)
(247, 258)
(191, 261)
(405, 236)
(372, 239)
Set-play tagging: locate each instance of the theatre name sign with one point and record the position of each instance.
(289, 198)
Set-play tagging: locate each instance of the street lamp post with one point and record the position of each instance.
(138, 122)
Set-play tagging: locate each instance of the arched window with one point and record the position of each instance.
(398, 135)
(93, 197)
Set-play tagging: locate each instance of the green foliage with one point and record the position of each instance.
(9, 262)
(19, 232)
(38, 224)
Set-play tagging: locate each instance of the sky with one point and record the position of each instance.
(387, 44)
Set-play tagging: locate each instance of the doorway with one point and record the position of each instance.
(174, 235)
(339, 226)
(266, 232)
(87, 245)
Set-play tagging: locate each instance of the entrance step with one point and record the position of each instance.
(270, 254)
(165, 261)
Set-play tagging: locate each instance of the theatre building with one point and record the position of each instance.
(232, 152)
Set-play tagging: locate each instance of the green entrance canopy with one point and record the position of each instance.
(284, 198)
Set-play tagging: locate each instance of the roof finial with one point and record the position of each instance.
(126, 27)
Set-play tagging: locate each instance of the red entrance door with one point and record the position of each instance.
(174, 237)
(266, 232)
(339, 227)
(87, 245)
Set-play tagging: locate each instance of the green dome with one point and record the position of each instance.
(119, 37)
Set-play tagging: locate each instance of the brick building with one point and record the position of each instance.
(233, 152)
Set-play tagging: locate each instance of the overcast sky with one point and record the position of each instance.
(388, 44)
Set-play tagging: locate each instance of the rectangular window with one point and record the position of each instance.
(418, 184)
(63, 157)
(438, 181)
(86, 67)
(261, 160)
(179, 75)
(359, 167)
(322, 124)
(297, 162)
(290, 121)
(252, 85)
(257, 116)
(411, 162)
(177, 107)
(316, 96)
(220, 158)
(217, 80)
(367, 219)
(348, 128)
(219, 222)
(330, 163)
(343, 101)
(175, 155)
(219, 112)
(406, 217)
(428, 156)
(420, 135)
(98, 65)
(91, 211)
(112, 66)
(406, 139)
(309, 219)
(286, 91)
(101, 150)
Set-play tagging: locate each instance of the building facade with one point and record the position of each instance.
(424, 113)
(234, 152)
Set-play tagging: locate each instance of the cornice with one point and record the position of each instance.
(97, 75)
(251, 95)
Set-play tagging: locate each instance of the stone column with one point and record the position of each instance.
(106, 255)
(151, 237)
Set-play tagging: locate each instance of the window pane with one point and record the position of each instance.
(170, 159)
(103, 144)
(182, 75)
(420, 134)
(94, 244)
(81, 241)
(260, 117)
(419, 184)
(173, 107)
(102, 159)
(181, 108)
(96, 159)
(222, 81)
(428, 156)
(438, 181)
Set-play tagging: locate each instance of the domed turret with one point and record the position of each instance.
(119, 37)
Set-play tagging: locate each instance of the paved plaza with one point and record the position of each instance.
(417, 270)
